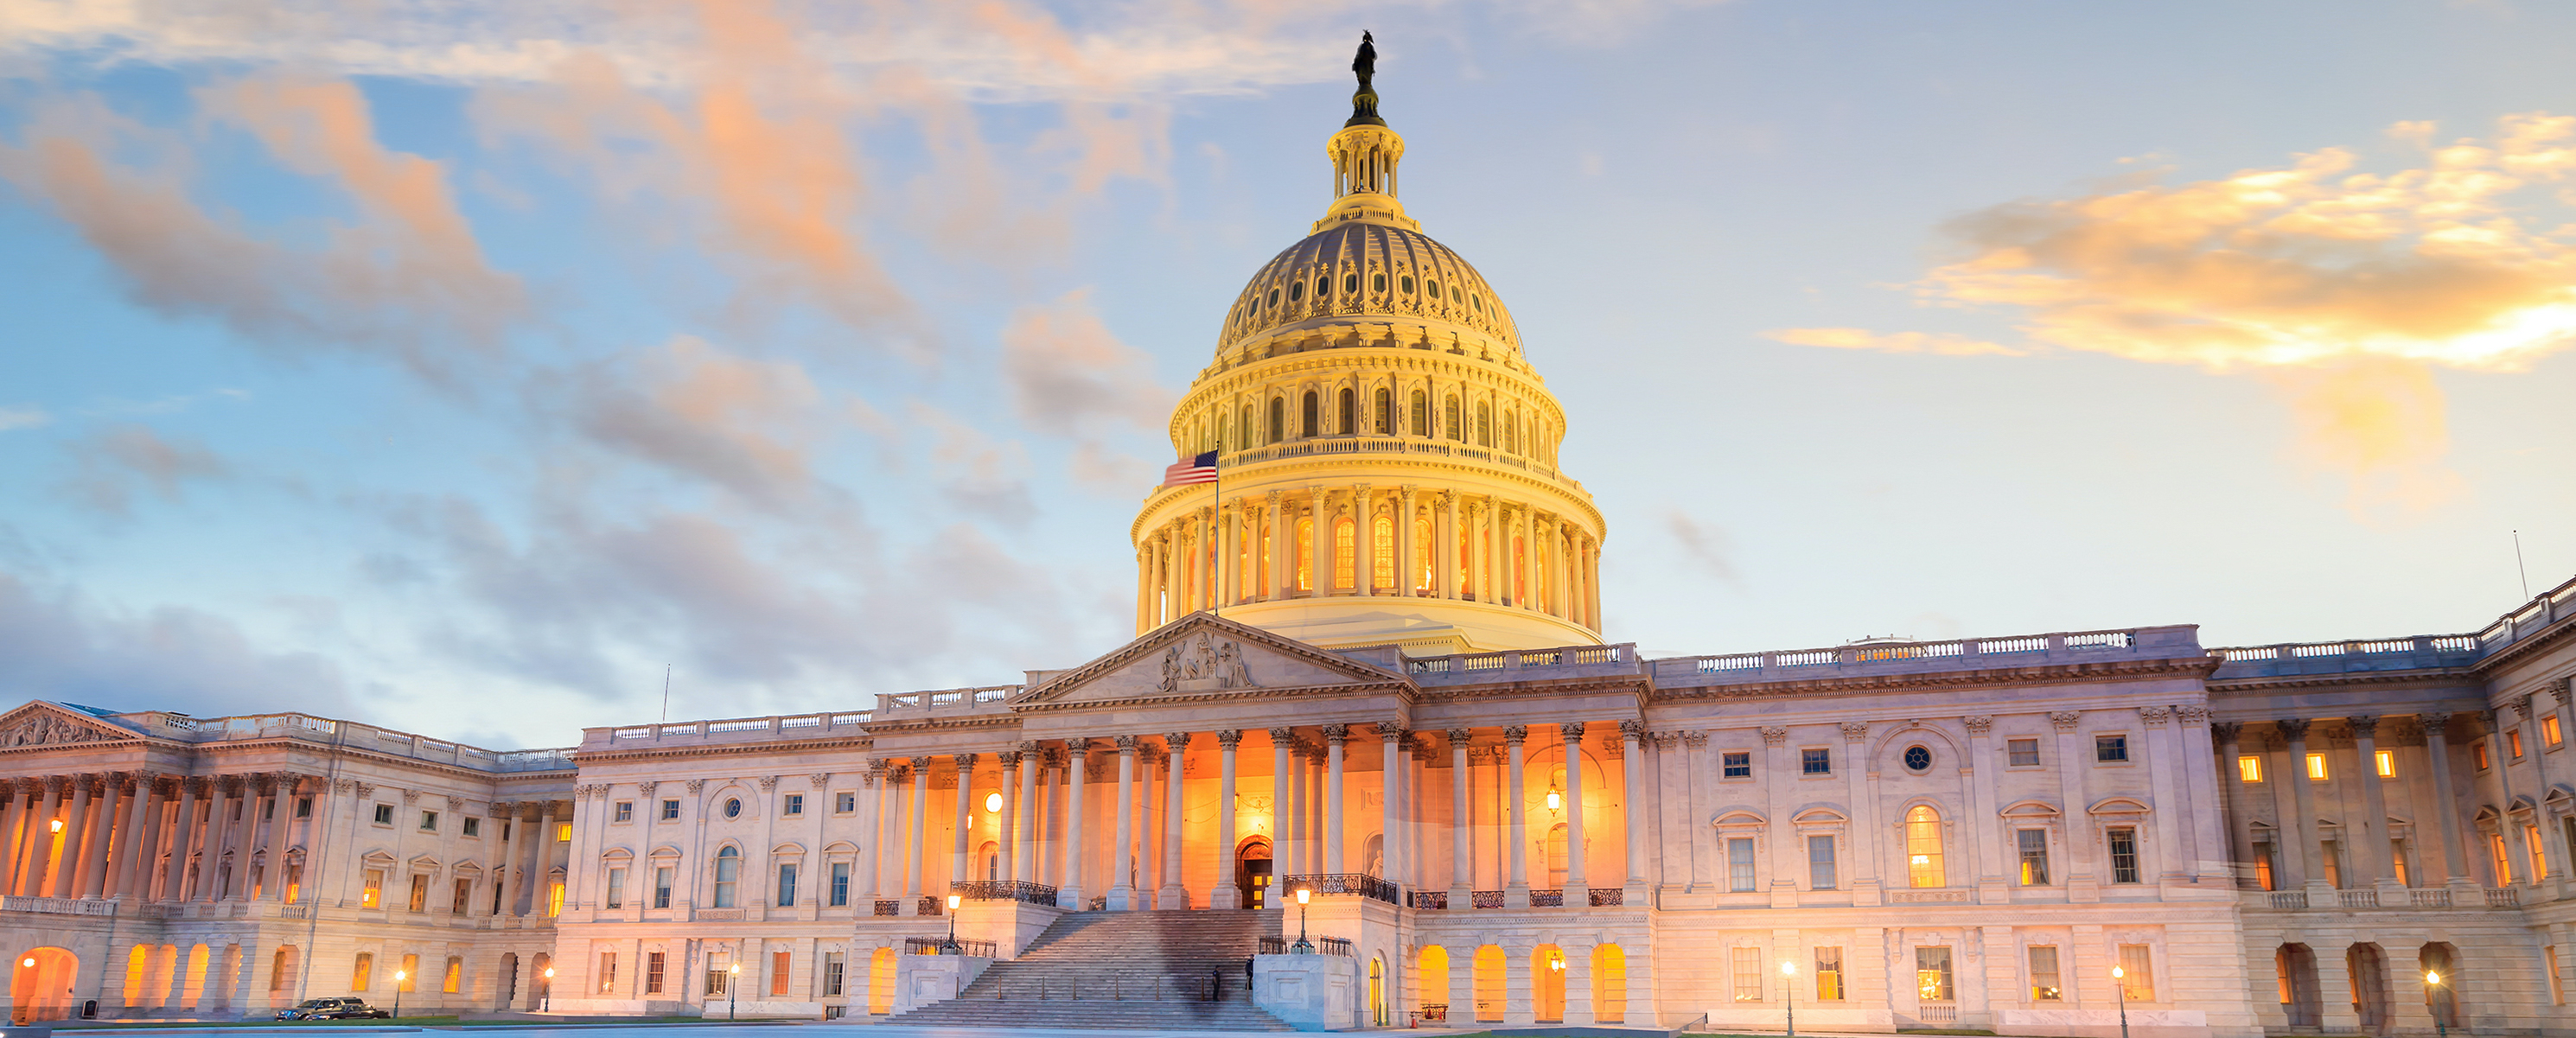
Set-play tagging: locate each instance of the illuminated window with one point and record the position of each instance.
(2034, 856)
(1305, 555)
(372, 891)
(2503, 859)
(2397, 861)
(2317, 767)
(455, 977)
(420, 893)
(780, 971)
(1829, 974)
(462, 898)
(2539, 856)
(2549, 734)
(1344, 533)
(1932, 974)
(2513, 742)
(2138, 972)
(554, 898)
(1422, 570)
(2478, 753)
(1748, 973)
(2043, 975)
(1923, 848)
(1382, 553)
(607, 972)
(2387, 763)
(362, 971)
(410, 972)
(2249, 768)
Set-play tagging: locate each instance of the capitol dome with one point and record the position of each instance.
(1385, 456)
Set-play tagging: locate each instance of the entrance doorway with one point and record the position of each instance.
(40, 985)
(1252, 873)
(509, 978)
(2369, 968)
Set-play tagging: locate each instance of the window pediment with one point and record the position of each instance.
(2118, 805)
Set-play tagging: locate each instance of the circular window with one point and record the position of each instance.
(733, 808)
(1917, 758)
(1296, 291)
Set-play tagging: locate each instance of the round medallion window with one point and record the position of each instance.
(1918, 758)
(733, 807)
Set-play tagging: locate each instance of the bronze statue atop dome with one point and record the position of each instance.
(1364, 101)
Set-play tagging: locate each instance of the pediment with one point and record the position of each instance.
(40, 723)
(1205, 656)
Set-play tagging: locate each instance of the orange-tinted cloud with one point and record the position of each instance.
(2311, 267)
(1893, 342)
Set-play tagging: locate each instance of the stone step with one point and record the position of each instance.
(1119, 970)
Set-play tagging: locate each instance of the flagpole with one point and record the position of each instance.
(1216, 497)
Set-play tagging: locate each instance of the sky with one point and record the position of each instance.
(473, 368)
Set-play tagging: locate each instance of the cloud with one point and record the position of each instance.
(404, 276)
(54, 645)
(113, 464)
(686, 406)
(979, 474)
(1706, 548)
(1893, 342)
(2311, 267)
(1070, 376)
(27, 417)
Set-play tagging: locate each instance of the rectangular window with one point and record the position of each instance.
(554, 898)
(2034, 856)
(652, 973)
(2539, 858)
(303, 807)
(779, 973)
(1820, 863)
(2137, 973)
(2124, 855)
(2249, 768)
(840, 884)
(2332, 852)
(1932, 974)
(2478, 753)
(670, 810)
(2024, 752)
(662, 887)
(2043, 975)
(786, 886)
(625, 811)
(473, 827)
(2110, 749)
(1829, 974)
(2557, 993)
(832, 967)
(1739, 864)
(563, 832)
(429, 821)
(362, 971)
(371, 890)
(795, 804)
(2317, 767)
(385, 812)
(2550, 736)
(420, 892)
(716, 973)
(2513, 742)
(617, 888)
(455, 975)
(607, 973)
(844, 803)
(2263, 866)
(1739, 765)
(463, 898)
(1816, 761)
(408, 977)
(1748, 973)
(2387, 763)
(2397, 861)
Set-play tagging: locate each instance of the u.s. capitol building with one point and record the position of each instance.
(1369, 664)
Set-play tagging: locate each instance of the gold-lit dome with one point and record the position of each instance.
(1366, 268)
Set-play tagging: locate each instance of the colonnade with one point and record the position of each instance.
(102, 835)
(1286, 544)
(1046, 853)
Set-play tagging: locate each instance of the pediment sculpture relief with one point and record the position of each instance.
(1204, 664)
(42, 729)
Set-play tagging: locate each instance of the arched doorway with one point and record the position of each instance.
(881, 967)
(1609, 984)
(1252, 872)
(2443, 999)
(1377, 991)
(539, 984)
(1431, 972)
(1487, 976)
(1547, 983)
(40, 985)
(509, 978)
(2296, 965)
(2369, 969)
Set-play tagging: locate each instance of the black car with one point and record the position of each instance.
(333, 1009)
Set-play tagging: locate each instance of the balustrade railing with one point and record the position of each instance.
(1609, 897)
(1323, 946)
(950, 946)
(2289, 899)
(933, 906)
(1551, 897)
(1005, 890)
(2082, 643)
(1431, 899)
(1485, 899)
(2504, 897)
(2440, 898)
(1344, 883)
(2358, 898)
(58, 905)
(888, 907)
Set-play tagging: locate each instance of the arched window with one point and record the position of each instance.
(1274, 298)
(1344, 531)
(1466, 551)
(1305, 555)
(1421, 414)
(1520, 573)
(1350, 283)
(1405, 284)
(1323, 286)
(1484, 425)
(1511, 432)
(1350, 422)
(728, 876)
(991, 856)
(1296, 291)
(1421, 555)
(1382, 552)
(1432, 289)
(1923, 848)
(1449, 417)
(1312, 414)
(1377, 282)
(881, 974)
(1384, 411)
(1431, 977)
(1278, 418)
(1247, 580)
(1221, 430)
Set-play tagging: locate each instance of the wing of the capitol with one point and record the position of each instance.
(1370, 761)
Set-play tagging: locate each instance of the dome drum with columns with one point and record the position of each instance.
(1387, 454)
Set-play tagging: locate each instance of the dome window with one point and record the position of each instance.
(1274, 298)
(1476, 301)
(1405, 284)
(1453, 295)
(1432, 288)
(1296, 291)
(1377, 282)
(1323, 285)
(1351, 283)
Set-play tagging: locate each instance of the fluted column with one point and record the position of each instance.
(1578, 886)
(1226, 894)
(1632, 763)
(1444, 546)
(1229, 572)
(916, 849)
(2240, 845)
(1077, 762)
(2437, 745)
(1364, 545)
(1462, 843)
(964, 820)
(1303, 852)
(1282, 773)
(1017, 789)
(540, 887)
(879, 783)
(1406, 584)
(1334, 736)
(2371, 848)
(1516, 892)
(1174, 893)
(1282, 543)
(2303, 828)
(132, 848)
(1392, 740)
(1122, 861)
(65, 878)
(110, 828)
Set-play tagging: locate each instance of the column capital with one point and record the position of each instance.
(1176, 741)
(2192, 713)
(2521, 707)
(1855, 731)
(1775, 736)
(2155, 716)
(1229, 737)
(1695, 739)
(2293, 728)
(1572, 730)
(1282, 736)
(1337, 734)
(1126, 744)
(921, 765)
(1515, 734)
(2364, 726)
(964, 761)
(1458, 736)
(1979, 724)
(2436, 723)
(1392, 731)
(1011, 759)
(2227, 731)
(1632, 729)
(1077, 747)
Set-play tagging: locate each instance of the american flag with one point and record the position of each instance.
(1200, 469)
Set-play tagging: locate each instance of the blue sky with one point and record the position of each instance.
(457, 367)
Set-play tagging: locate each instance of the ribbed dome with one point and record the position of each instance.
(1366, 269)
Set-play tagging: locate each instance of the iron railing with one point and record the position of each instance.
(1005, 890)
(888, 906)
(1345, 883)
(1609, 897)
(1485, 899)
(1547, 898)
(1323, 946)
(1432, 899)
(950, 946)
(934, 906)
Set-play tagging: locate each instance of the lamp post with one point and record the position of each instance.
(399, 975)
(951, 947)
(2119, 980)
(546, 1004)
(1789, 993)
(2433, 979)
(1301, 947)
(733, 988)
